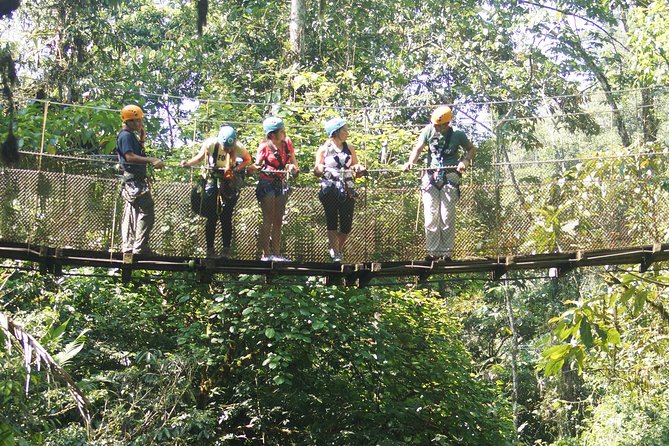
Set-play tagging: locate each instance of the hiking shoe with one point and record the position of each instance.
(333, 254)
(225, 253)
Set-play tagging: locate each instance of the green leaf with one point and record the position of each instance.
(586, 333)
(613, 336)
(556, 352)
(553, 367)
(247, 311)
(269, 332)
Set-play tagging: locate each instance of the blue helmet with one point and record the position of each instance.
(227, 136)
(334, 124)
(272, 124)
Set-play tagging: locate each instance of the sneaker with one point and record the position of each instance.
(337, 258)
(431, 258)
(333, 254)
(266, 258)
(280, 259)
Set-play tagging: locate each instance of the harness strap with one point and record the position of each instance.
(277, 155)
(442, 149)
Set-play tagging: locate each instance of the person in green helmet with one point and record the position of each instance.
(226, 162)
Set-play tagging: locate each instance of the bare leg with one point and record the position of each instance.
(341, 240)
(333, 240)
(277, 222)
(267, 208)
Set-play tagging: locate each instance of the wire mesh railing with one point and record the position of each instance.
(76, 210)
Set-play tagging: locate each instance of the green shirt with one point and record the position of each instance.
(438, 155)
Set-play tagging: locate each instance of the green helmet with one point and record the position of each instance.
(272, 124)
(227, 136)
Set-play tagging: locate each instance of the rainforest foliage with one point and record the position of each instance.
(579, 359)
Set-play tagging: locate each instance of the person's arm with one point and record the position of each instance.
(467, 160)
(196, 159)
(126, 143)
(260, 157)
(355, 166)
(292, 164)
(133, 158)
(413, 156)
(319, 163)
(245, 162)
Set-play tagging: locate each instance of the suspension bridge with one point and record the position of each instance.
(62, 212)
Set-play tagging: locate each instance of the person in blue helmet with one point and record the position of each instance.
(226, 161)
(275, 158)
(336, 164)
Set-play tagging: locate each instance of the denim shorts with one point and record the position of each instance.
(276, 187)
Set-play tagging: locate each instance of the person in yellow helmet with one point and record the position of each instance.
(138, 210)
(450, 154)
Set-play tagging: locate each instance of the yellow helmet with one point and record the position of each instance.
(442, 115)
(131, 112)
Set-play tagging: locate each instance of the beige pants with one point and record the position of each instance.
(439, 212)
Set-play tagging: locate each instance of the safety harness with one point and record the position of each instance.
(344, 182)
(438, 151)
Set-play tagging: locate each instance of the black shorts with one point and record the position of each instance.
(338, 208)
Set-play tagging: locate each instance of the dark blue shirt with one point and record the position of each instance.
(126, 142)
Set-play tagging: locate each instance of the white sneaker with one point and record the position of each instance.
(266, 258)
(333, 254)
(280, 259)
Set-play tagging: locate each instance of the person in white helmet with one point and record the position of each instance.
(337, 163)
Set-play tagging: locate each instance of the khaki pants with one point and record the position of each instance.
(138, 218)
(439, 212)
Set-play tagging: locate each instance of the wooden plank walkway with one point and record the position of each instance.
(53, 260)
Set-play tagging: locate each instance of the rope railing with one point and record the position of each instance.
(368, 125)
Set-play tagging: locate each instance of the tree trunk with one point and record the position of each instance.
(296, 27)
(648, 118)
(514, 354)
